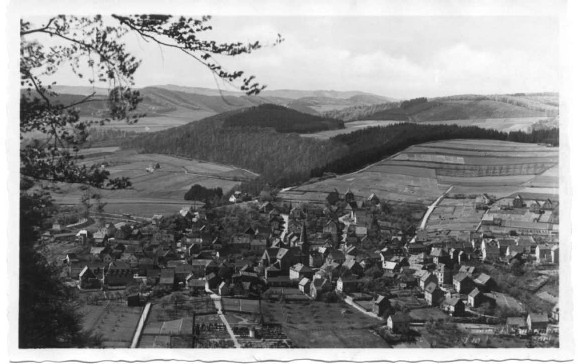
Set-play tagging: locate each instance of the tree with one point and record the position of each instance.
(94, 46)
(52, 133)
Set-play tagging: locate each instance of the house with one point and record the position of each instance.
(286, 258)
(475, 298)
(426, 279)
(353, 267)
(89, 278)
(439, 255)
(237, 196)
(379, 305)
(167, 279)
(195, 285)
(336, 256)
(348, 285)
(463, 283)
(269, 256)
(433, 294)
(182, 271)
(398, 323)
(454, 306)
(484, 282)
(318, 286)
(543, 254)
(300, 271)
(528, 243)
(482, 202)
(516, 325)
(537, 322)
(213, 281)
(202, 267)
(443, 273)
(390, 266)
(469, 270)
(316, 259)
(258, 245)
(117, 275)
(305, 285)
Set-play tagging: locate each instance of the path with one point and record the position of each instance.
(219, 307)
(432, 207)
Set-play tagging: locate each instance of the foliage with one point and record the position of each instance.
(200, 193)
(47, 314)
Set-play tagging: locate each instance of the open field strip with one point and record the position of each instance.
(351, 127)
(500, 124)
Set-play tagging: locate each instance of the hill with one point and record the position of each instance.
(422, 172)
(181, 101)
(282, 119)
(461, 107)
(238, 138)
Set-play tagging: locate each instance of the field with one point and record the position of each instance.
(160, 191)
(502, 124)
(115, 322)
(157, 123)
(314, 324)
(350, 127)
(455, 214)
(421, 173)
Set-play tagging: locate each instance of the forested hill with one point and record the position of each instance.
(285, 159)
(455, 108)
(280, 158)
(281, 119)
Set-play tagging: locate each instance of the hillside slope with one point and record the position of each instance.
(462, 107)
(421, 173)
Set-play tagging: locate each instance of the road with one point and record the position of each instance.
(432, 207)
(217, 301)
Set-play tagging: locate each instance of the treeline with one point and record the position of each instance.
(200, 193)
(409, 103)
(370, 145)
(282, 119)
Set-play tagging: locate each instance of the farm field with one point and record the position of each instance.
(500, 124)
(160, 191)
(115, 322)
(314, 324)
(421, 173)
(157, 123)
(350, 127)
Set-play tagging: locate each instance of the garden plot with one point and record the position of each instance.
(455, 214)
(115, 323)
(314, 324)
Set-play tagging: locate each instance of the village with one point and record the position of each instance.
(332, 271)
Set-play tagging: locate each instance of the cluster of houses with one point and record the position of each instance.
(341, 247)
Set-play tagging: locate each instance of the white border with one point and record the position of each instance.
(296, 8)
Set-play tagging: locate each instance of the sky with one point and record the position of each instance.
(395, 56)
